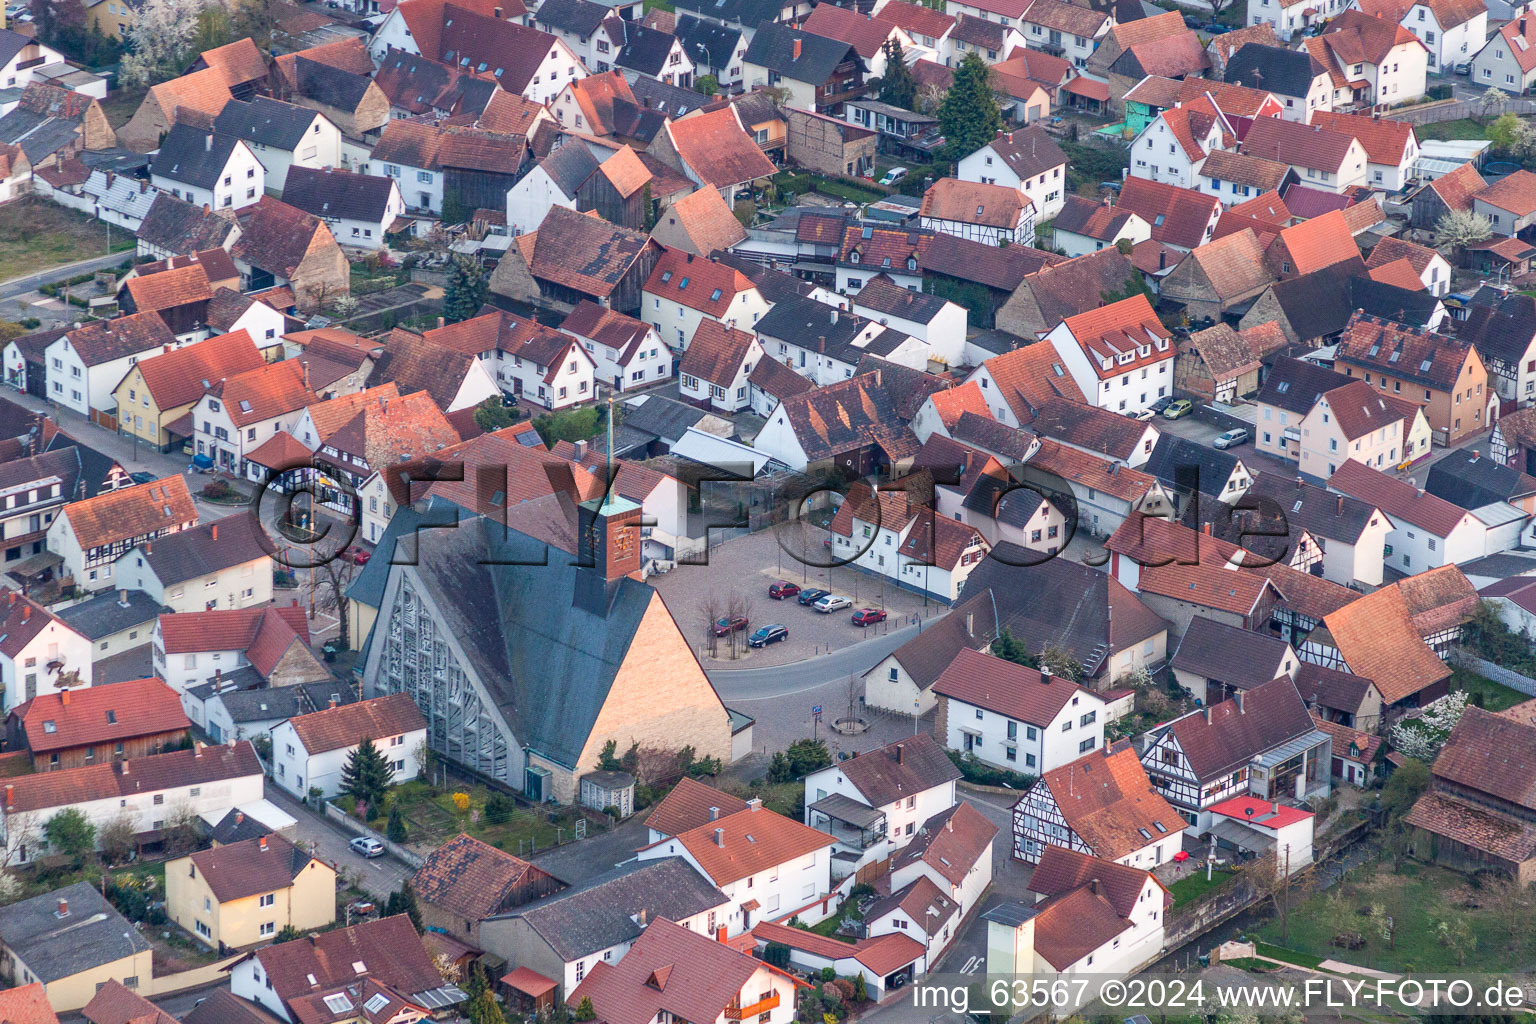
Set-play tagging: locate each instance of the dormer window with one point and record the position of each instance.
(853, 257)
(911, 262)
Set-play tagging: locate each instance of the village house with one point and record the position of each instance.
(94, 725)
(541, 938)
(1504, 336)
(241, 894)
(873, 803)
(1027, 160)
(992, 214)
(1352, 422)
(1216, 278)
(1428, 267)
(1261, 742)
(1216, 660)
(1426, 531)
(241, 413)
(1477, 812)
(90, 535)
(856, 424)
(1172, 149)
(1351, 533)
(1370, 60)
(572, 256)
(1119, 355)
(1090, 915)
(1102, 805)
(818, 73)
(377, 428)
(1180, 218)
(281, 135)
(66, 965)
(1084, 226)
(202, 92)
(207, 168)
(36, 487)
(279, 245)
(716, 365)
(783, 869)
(683, 290)
(628, 353)
(193, 648)
(465, 881)
(1509, 204)
(455, 381)
(530, 361)
(85, 364)
(360, 209)
(1445, 376)
(1507, 60)
(888, 534)
(224, 564)
(309, 752)
(144, 791)
(1015, 717)
(933, 320)
(157, 394)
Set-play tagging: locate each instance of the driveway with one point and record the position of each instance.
(576, 862)
(378, 877)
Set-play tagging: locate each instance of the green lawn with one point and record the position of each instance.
(1192, 887)
(1494, 696)
(36, 235)
(1418, 899)
(828, 927)
(1466, 128)
(430, 817)
(843, 190)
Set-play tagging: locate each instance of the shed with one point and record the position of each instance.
(601, 790)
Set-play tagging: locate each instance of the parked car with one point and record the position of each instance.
(1216, 28)
(893, 175)
(868, 616)
(1193, 21)
(367, 846)
(1181, 407)
(812, 596)
(142, 477)
(766, 635)
(1231, 438)
(1161, 404)
(782, 589)
(1464, 67)
(357, 555)
(728, 625)
(1142, 415)
(833, 603)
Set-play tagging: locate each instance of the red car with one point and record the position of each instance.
(357, 555)
(780, 590)
(868, 616)
(727, 626)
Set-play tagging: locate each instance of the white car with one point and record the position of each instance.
(367, 846)
(833, 603)
(1231, 438)
(893, 175)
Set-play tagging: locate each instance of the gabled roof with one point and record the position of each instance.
(386, 950)
(716, 353)
(798, 55)
(99, 714)
(1224, 352)
(27, 1004)
(1471, 480)
(970, 202)
(1457, 188)
(1515, 193)
(737, 845)
(688, 805)
(1323, 514)
(1385, 140)
(1274, 68)
(1245, 169)
(1318, 243)
(1425, 357)
(275, 236)
(1492, 754)
(1315, 145)
(1097, 220)
(107, 340)
(1107, 799)
(716, 147)
(1177, 216)
(1062, 870)
(1029, 151)
(346, 726)
(1378, 640)
(1238, 657)
(252, 866)
(1012, 690)
(1354, 36)
(131, 512)
(898, 770)
(916, 19)
(585, 253)
(706, 220)
(266, 121)
(1173, 455)
(181, 376)
(1031, 377)
(1087, 426)
(473, 880)
(698, 283)
(133, 777)
(1224, 736)
(951, 843)
(669, 971)
(180, 227)
(867, 35)
(1234, 266)
(1066, 17)
(340, 195)
(269, 390)
(202, 550)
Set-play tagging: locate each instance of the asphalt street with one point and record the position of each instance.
(21, 285)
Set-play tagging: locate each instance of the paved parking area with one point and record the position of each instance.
(743, 568)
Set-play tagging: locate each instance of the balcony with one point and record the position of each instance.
(751, 1011)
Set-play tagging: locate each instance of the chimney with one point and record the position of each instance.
(213, 532)
(714, 814)
(1341, 505)
(206, 211)
(13, 597)
(1274, 806)
(1205, 712)
(498, 13)
(901, 753)
(218, 677)
(1045, 674)
(834, 314)
(63, 910)
(641, 915)
(1475, 454)
(149, 547)
(239, 817)
(755, 804)
(797, 42)
(10, 796)
(330, 704)
(949, 823)
(262, 844)
(26, 612)
(197, 748)
(124, 765)
(720, 837)
(1162, 258)
(122, 599)
(581, 450)
(1238, 696)
(442, 322)
(970, 623)
(208, 143)
(64, 696)
(1206, 529)
(305, 366)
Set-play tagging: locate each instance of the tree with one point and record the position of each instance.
(484, 1009)
(799, 760)
(465, 293)
(366, 774)
(160, 41)
(493, 414)
(214, 28)
(648, 208)
(898, 87)
(608, 758)
(1060, 661)
(258, 19)
(1422, 737)
(1461, 228)
(286, 934)
(1384, 923)
(969, 115)
(584, 1010)
(1493, 99)
(71, 833)
(395, 830)
(1455, 933)
(706, 84)
(117, 839)
(1010, 648)
(1506, 133)
(403, 901)
(1408, 782)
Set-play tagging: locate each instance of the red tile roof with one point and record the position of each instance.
(475, 880)
(1178, 216)
(1398, 273)
(224, 630)
(387, 950)
(1376, 636)
(1515, 193)
(688, 805)
(718, 150)
(1030, 377)
(698, 283)
(752, 840)
(1315, 145)
(880, 954)
(349, 724)
(867, 35)
(1009, 689)
(717, 353)
(180, 377)
(160, 506)
(916, 18)
(970, 202)
(1315, 244)
(1107, 799)
(1123, 327)
(1386, 141)
(114, 1003)
(1457, 188)
(951, 842)
(27, 1004)
(252, 866)
(100, 714)
(132, 777)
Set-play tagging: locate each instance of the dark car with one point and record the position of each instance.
(1161, 404)
(812, 596)
(141, 477)
(1216, 28)
(780, 590)
(766, 635)
(868, 616)
(729, 625)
